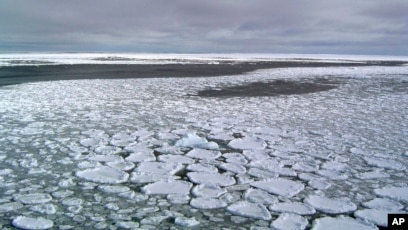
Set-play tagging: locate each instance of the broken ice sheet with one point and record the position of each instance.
(281, 187)
(168, 187)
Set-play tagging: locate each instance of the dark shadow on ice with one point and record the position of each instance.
(272, 88)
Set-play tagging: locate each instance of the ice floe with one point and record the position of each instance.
(33, 198)
(168, 187)
(10, 206)
(293, 207)
(191, 140)
(247, 143)
(248, 209)
(392, 192)
(211, 178)
(375, 216)
(208, 190)
(103, 174)
(25, 222)
(339, 223)
(383, 204)
(330, 205)
(207, 203)
(288, 221)
(203, 154)
(260, 197)
(281, 187)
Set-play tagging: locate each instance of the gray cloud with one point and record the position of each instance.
(298, 26)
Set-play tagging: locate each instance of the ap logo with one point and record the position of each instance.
(397, 221)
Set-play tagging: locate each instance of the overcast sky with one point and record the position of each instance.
(191, 26)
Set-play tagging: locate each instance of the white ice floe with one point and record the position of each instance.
(332, 174)
(234, 168)
(340, 223)
(395, 193)
(141, 156)
(178, 198)
(103, 174)
(207, 203)
(375, 216)
(147, 177)
(107, 150)
(202, 168)
(106, 158)
(208, 190)
(32, 198)
(383, 204)
(113, 188)
(25, 222)
(191, 140)
(373, 175)
(293, 207)
(176, 159)
(211, 178)
(289, 221)
(247, 143)
(168, 187)
(159, 168)
(44, 208)
(384, 163)
(260, 197)
(186, 222)
(10, 206)
(281, 187)
(203, 154)
(121, 165)
(260, 173)
(330, 205)
(248, 209)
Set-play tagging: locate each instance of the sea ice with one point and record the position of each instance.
(11, 206)
(121, 165)
(168, 187)
(191, 140)
(32, 198)
(203, 154)
(247, 209)
(383, 204)
(44, 208)
(207, 203)
(375, 216)
(202, 168)
(234, 168)
(106, 158)
(330, 205)
(141, 156)
(293, 207)
(281, 187)
(211, 178)
(103, 174)
(340, 223)
(395, 193)
(208, 191)
(186, 222)
(176, 159)
(384, 163)
(159, 168)
(247, 143)
(260, 197)
(113, 188)
(25, 222)
(289, 221)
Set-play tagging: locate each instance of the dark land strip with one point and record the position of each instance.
(23, 74)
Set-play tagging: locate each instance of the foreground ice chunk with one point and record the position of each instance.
(384, 163)
(395, 193)
(44, 208)
(340, 223)
(330, 205)
(375, 216)
(202, 168)
(141, 156)
(203, 154)
(207, 203)
(191, 140)
(168, 187)
(103, 174)
(293, 207)
(289, 221)
(33, 198)
(247, 143)
(281, 187)
(235, 168)
(211, 178)
(32, 223)
(247, 209)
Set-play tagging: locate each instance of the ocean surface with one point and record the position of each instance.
(155, 153)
